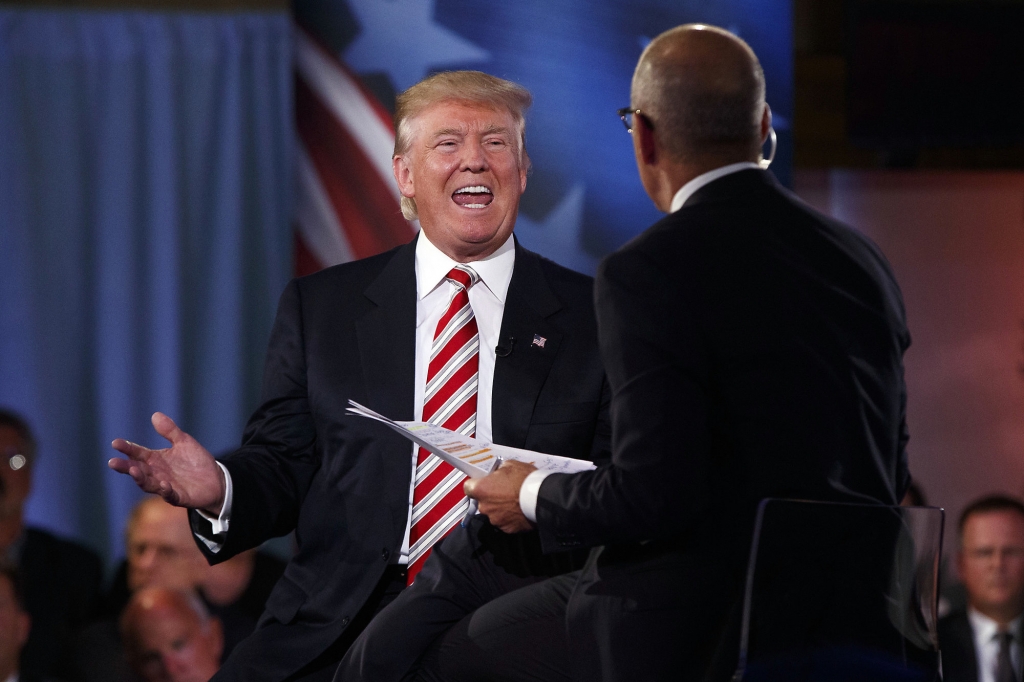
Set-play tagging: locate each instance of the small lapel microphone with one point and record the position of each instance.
(504, 347)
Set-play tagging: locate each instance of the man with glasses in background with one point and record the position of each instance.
(60, 579)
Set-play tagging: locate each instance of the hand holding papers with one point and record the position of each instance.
(466, 454)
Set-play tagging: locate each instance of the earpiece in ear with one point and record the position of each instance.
(764, 163)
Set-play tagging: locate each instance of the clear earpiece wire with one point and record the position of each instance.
(764, 163)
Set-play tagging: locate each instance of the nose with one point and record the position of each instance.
(474, 157)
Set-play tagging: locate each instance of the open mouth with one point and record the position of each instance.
(474, 196)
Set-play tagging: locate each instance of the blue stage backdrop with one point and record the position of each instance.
(584, 198)
(145, 219)
(147, 161)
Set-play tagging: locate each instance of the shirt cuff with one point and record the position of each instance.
(219, 524)
(529, 493)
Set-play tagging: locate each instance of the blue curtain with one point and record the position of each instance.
(145, 176)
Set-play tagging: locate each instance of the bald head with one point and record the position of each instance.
(702, 89)
(170, 637)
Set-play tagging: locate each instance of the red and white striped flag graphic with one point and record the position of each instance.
(346, 203)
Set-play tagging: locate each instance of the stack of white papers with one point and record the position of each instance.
(466, 454)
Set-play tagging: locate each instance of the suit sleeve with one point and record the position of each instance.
(657, 367)
(272, 470)
(601, 449)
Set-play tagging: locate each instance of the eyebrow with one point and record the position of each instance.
(490, 130)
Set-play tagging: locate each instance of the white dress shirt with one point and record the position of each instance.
(986, 644)
(530, 491)
(13, 677)
(433, 294)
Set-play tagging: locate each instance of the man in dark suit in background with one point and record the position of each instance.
(983, 643)
(60, 579)
(754, 348)
(462, 323)
(15, 625)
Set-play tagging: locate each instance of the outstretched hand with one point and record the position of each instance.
(498, 495)
(185, 474)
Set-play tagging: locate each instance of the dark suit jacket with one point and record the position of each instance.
(61, 583)
(956, 642)
(754, 348)
(343, 482)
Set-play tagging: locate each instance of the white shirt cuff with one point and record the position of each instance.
(529, 493)
(219, 524)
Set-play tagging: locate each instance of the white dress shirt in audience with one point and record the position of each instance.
(986, 644)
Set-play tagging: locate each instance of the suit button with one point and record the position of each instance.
(385, 554)
(344, 622)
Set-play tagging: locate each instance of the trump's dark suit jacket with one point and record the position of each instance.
(754, 348)
(342, 482)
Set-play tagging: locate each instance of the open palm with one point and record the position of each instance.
(185, 474)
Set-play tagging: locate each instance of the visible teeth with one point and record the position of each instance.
(473, 190)
(474, 206)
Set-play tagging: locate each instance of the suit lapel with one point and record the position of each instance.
(387, 337)
(520, 375)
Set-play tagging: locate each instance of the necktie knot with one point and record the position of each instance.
(463, 276)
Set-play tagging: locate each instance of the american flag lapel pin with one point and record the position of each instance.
(538, 341)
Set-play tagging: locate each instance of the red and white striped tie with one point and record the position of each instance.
(438, 502)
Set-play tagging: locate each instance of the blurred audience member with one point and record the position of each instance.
(14, 625)
(236, 591)
(169, 636)
(60, 579)
(160, 549)
(982, 643)
(161, 552)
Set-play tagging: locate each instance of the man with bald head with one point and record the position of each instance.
(169, 636)
(754, 348)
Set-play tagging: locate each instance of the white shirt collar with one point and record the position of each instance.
(687, 190)
(985, 628)
(495, 270)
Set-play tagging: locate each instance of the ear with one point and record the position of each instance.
(766, 122)
(646, 147)
(403, 176)
(524, 169)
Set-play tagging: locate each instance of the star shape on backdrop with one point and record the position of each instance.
(401, 38)
(557, 236)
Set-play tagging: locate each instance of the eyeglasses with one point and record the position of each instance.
(627, 114)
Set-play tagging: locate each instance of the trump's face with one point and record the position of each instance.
(466, 173)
